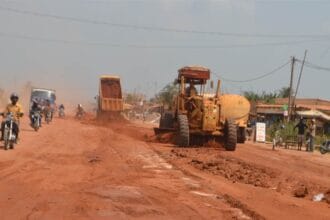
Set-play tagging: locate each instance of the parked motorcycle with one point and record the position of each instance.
(36, 120)
(9, 136)
(325, 147)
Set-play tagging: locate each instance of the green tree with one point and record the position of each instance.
(263, 97)
(251, 96)
(267, 97)
(284, 92)
(134, 98)
(167, 94)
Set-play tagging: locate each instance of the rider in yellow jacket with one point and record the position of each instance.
(16, 109)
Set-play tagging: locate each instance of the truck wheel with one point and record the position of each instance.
(241, 135)
(183, 131)
(230, 135)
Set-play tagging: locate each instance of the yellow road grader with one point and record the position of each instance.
(197, 116)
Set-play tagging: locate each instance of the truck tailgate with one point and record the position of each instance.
(111, 104)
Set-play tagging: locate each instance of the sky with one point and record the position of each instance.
(145, 42)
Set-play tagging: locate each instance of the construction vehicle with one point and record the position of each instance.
(197, 116)
(237, 108)
(110, 100)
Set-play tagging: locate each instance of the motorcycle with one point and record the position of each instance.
(36, 120)
(48, 117)
(325, 147)
(9, 136)
(61, 113)
(80, 115)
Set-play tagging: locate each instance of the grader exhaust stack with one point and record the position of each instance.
(217, 94)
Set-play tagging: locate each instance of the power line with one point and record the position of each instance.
(314, 66)
(293, 1)
(255, 78)
(62, 41)
(159, 29)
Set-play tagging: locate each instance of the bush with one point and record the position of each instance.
(319, 139)
(290, 131)
(287, 131)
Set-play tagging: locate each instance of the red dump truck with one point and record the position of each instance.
(110, 100)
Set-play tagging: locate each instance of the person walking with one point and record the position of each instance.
(301, 132)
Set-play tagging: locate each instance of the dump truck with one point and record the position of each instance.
(110, 100)
(197, 116)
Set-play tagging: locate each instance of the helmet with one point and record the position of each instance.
(14, 96)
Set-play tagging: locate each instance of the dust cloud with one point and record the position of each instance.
(64, 95)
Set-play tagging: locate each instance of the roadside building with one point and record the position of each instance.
(307, 108)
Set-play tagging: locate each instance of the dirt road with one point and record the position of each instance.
(74, 170)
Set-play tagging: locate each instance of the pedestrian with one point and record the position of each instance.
(301, 132)
(278, 140)
(312, 133)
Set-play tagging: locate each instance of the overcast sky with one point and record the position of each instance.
(147, 59)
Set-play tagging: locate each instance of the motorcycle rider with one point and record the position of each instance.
(35, 107)
(80, 110)
(61, 109)
(16, 109)
(48, 109)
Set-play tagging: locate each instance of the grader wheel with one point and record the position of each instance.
(183, 131)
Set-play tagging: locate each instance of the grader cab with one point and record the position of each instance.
(196, 116)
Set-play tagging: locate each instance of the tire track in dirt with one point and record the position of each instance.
(237, 170)
(215, 162)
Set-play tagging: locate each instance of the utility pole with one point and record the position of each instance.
(298, 83)
(293, 60)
